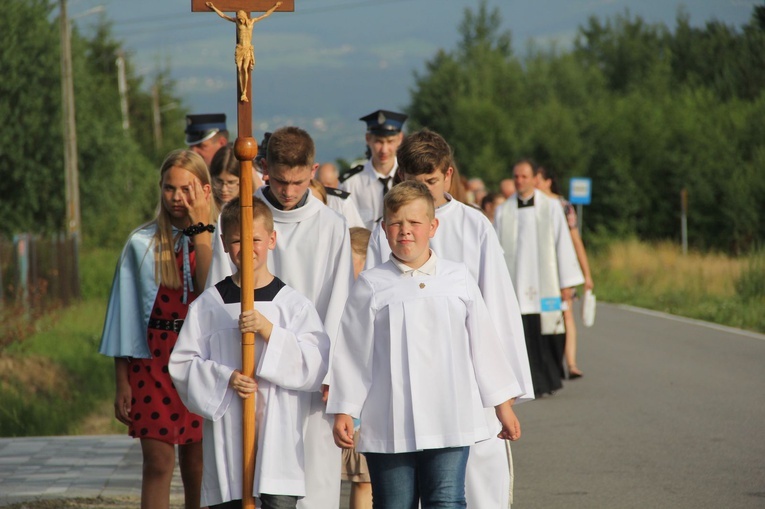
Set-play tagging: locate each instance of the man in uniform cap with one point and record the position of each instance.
(369, 182)
(259, 177)
(206, 133)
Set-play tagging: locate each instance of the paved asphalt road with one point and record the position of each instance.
(670, 414)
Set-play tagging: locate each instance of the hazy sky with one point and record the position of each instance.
(333, 61)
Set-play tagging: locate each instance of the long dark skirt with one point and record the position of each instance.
(545, 356)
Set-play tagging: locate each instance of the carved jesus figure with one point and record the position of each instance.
(244, 54)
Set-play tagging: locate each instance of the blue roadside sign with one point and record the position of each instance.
(580, 191)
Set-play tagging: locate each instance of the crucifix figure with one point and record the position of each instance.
(244, 54)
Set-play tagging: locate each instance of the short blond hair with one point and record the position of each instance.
(406, 192)
(230, 216)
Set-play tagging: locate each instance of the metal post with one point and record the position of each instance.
(684, 219)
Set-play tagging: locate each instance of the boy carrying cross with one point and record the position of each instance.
(292, 353)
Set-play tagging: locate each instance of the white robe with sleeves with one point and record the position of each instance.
(288, 368)
(313, 256)
(465, 235)
(416, 360)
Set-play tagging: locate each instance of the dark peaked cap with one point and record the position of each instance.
(263, 147)
(384, 122)
(201, 128)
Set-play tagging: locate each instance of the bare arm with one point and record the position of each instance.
(267, 13)
(221, 14)
(581, 255)
(123, 393)
(203, 249)
(511, 427)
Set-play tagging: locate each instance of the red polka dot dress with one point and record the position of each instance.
(156, 408)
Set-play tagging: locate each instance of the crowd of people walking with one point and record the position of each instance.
(401, 312)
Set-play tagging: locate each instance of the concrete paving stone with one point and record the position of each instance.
(55, 490)
(35, 468)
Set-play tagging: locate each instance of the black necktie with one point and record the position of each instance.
(384, 182)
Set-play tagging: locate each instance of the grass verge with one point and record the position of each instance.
(711, 287)
(53, 379)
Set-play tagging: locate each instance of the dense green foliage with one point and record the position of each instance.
(117, 169)
(643, 110)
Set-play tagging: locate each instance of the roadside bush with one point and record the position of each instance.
(750, 285)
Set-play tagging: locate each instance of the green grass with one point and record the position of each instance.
(56, 377)
(97, 270)
(710, 287)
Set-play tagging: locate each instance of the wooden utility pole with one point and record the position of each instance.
(123, 89)
(71, 175)
(245, 150)
(156, 115)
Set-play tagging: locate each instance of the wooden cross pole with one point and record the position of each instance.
(245, 150)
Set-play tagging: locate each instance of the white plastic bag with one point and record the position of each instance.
(588, 308)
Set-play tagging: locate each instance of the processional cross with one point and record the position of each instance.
(245, 150)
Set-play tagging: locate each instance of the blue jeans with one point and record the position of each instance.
(435, 477)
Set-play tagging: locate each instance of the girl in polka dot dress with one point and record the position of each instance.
(162, 269)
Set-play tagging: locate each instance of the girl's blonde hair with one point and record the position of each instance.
(317, 186)
(165, 269)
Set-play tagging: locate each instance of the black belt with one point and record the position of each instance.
(170, 325)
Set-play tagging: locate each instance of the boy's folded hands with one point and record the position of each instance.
(243, 385)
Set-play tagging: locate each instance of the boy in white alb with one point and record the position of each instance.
(415, 360)
(292, 353)
(465, 235)
(313, 256)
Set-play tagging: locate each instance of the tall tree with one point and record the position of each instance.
(643, 110)
(118, 177)
(31, 190)
(625, 49)
(460, 90)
